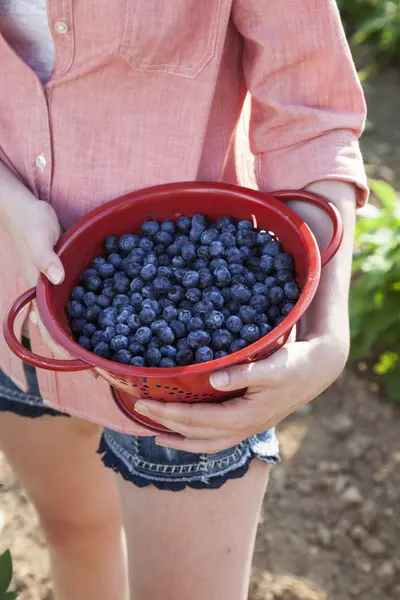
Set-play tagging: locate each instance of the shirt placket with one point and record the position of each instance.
(60, 19)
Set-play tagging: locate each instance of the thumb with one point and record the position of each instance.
(45, 259)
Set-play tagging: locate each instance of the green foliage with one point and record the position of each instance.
(373, 28)
(5, 576)
(375, 293)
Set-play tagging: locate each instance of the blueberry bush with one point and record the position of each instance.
(373, 30)
(375, 293)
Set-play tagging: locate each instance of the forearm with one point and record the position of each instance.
(329, 310)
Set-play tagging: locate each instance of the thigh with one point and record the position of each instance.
(56, 461)
(193, 544)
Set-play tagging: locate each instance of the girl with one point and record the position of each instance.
(98, 99)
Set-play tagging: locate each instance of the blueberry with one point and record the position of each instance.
(234, 324)
(203, 252)
(136, 285)
(176, 294)
(158, 325)
(188, 251)
(228, 228)
(168, 351)
(178, 274)
(178, 328)
(75, 309)
(193, 295)
(136, 255)
(89, 329)
(92, 313)
(159, 250)
(206, 278)
(291, 290)
(233, 306)
(120, 300)
(227, 240)
(238, 279)
(97, 337)
(222, 338)
(226, 312)
(108, 334)
(191, 279)
(258, 288)
(106, 270)
(245, 252)
(122, 329)
(150, 303)
(259, 303)
(254, 263)
(204, 354)
(262, 238)
(195, 323)
(284, 276)
(183, 224)
(108, 317)
(226, 294)
(287, 308)
(146, 245)
(148, 292)
(220, 223)
(121, 284)
(196, 233)
(217, 250)
(143, 335)
(267, 264)
(251, 278)
(245, 225)
(102, 349)
(275, 295)
(272, 248)
(220, 354)
(94, 283)
(170, 313)
(261, 318)
(88, 273)
(233, 255)
(138, 361)
(166, 336)
(154, 343)
(179, 262)
(103, 300)
(164, 302)
(265, 329)
(136, 349)
(108, 290)
(167, 363)
(270, 282)
(115, 260)
(148, 272)
(241, 293)
(164, 271)
(246, 238)
(173, 250)
(128, 242)
(150, 228)
(111, 244)
(97, 262)
(90, 299)
(250, 333)
(284, 261)
(198, 338)
(247, 314)
(182, 344)
(273, 314)
(200, 308)
(209, 236)
(168, 226)
(136, 300)
(85, 342)
(217, 263)
(214, 319)
(119, 342)
(78, 293)
(122, 356)
(183, 358)
(236, 269)
(153, 356)
(78, 326)
(184, 315)
(216, 298)
(222, 276)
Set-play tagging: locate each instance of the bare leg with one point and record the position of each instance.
(193, 544)
(77, 501)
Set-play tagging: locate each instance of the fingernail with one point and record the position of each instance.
(54, 274)
(220, 379)
(141, 408)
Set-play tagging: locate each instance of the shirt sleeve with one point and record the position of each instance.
(307, 105)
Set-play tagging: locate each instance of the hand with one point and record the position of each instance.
(288, 379)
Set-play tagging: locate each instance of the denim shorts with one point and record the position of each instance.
(139, 460)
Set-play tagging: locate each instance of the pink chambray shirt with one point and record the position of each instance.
(145, 92)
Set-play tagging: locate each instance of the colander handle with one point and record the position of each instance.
(329, 208)
(42, 362)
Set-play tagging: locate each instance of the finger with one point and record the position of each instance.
(232, 415)
(193, 433)
(197, 446)
(269, 372)
(44, 257)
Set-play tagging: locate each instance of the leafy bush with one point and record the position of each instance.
(373, 28)
(5, 576)
(375, 293)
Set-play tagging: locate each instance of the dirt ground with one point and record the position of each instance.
(330, 528)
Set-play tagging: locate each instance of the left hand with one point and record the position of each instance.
(277, 386)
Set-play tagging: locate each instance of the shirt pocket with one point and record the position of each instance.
(170, 36)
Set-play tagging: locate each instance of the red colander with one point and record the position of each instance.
(84, 241)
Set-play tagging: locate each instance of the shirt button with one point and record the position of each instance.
(41, 161)
(61, 27)
(33, 316)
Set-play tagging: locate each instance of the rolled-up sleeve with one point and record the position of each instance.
(307, 105)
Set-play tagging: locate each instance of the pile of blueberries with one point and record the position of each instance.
(182, 292)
